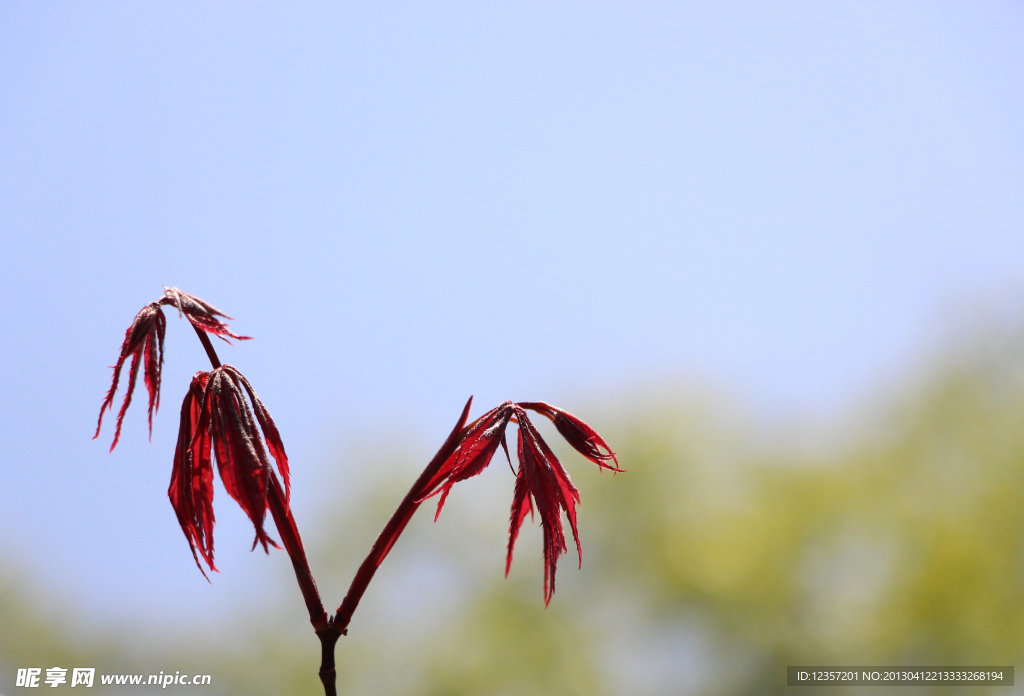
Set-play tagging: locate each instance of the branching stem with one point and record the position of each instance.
(328, 630)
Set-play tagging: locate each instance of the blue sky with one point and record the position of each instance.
(410, 203)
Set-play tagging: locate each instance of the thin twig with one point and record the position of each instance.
(396, 525)
(210, 352)
(289, 532)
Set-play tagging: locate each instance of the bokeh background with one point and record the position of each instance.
(773, 252)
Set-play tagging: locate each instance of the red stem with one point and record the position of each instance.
(210, 352)
(325, 631)
(289, 532)
(396, 525)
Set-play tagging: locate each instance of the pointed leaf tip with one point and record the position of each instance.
(578, 434)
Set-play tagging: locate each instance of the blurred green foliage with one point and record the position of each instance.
(726, 553)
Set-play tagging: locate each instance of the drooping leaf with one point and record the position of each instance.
(191, 489)
(542, 484)
(144, 342)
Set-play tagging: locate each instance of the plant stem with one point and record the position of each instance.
(423, 486)
(289, 532)
(325, 630)
(210, 352)
(328, 674)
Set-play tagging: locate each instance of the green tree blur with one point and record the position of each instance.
(728, 552)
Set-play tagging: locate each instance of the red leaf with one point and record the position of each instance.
(476, 450)
(552, 492)
(581, 436)
(520, 506)
(191, 489)
(541, 482)
(202, 314)
(144, 342)
(270, 433)
(227, 424)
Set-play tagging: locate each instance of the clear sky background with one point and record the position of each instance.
(410, 203)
